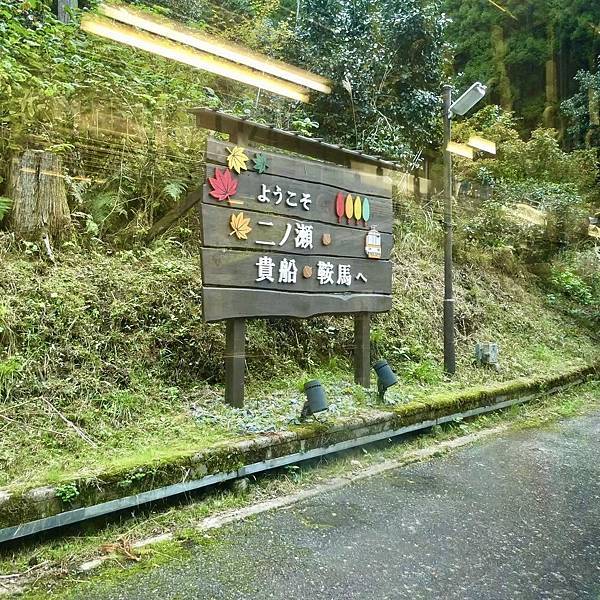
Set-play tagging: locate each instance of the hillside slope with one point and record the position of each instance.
(105, 361)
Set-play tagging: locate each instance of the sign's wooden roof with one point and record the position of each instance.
(267, 135)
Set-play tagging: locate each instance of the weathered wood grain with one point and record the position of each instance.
(345, 241)
(224, 303)
(309, 171)
(322, 206)
(235, 361)
(191, 199)
(235, 268)
(362, 349)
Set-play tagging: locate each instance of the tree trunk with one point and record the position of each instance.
(594, 115)
(502, 79)
(63, 9)
(551, 108)
(37, 188)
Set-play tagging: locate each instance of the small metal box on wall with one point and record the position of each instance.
(486, 353)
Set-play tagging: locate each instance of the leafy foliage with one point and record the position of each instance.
(510, 45)
(574, 285)
(5, 204)
(535, 172)
(583, 110)
(539, 158)
(385, 59)
(67, 492)
(118, 116)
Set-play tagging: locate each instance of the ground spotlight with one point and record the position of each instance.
(385, 377)
(316, 399)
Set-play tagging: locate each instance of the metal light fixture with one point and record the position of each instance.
(316, 398)
(212, 45)
(468, 100)
(385, 377)
(459, 107)
(142, 40)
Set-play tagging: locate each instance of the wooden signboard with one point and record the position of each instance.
(284, 237)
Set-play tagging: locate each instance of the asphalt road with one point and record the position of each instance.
(514, 517)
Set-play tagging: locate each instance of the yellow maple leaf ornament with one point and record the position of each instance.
(237, 159)
(240, 226)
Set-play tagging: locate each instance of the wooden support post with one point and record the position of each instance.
(235, 331)
(235, 361)
(362, 349)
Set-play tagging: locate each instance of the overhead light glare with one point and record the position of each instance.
(460, 150)
(482, 144)
(211, 45)
(192, 57)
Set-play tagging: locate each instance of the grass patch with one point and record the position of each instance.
(112, 344)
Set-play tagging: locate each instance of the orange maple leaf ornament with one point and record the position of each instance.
(223, 185)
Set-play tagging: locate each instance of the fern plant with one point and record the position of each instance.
(174, 189)
(5, 204)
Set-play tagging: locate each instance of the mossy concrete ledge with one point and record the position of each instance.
(26, 512)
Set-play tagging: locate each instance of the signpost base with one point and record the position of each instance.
(362, 349)
(235, 361)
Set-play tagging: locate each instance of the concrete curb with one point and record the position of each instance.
(39, 509)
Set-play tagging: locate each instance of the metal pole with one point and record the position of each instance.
(449, 351)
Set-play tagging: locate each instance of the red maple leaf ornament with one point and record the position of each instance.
(223, 185)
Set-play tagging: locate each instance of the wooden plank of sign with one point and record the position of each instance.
(227, 303)
(322, 206)
(347, 180)
(235, 268)
(344, 241)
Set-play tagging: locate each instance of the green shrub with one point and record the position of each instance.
(67, 492)
(5, 204)
(572, 286)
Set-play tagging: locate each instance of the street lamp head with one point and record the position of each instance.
(468, 100)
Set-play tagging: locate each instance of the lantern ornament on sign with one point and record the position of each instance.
(373, 244)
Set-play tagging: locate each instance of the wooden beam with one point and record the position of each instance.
(223, 267)
(174, 214)
(235, 331)
(341, 240)
(63, 9)
(321, 206)
(284, 140)
(361, 179)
